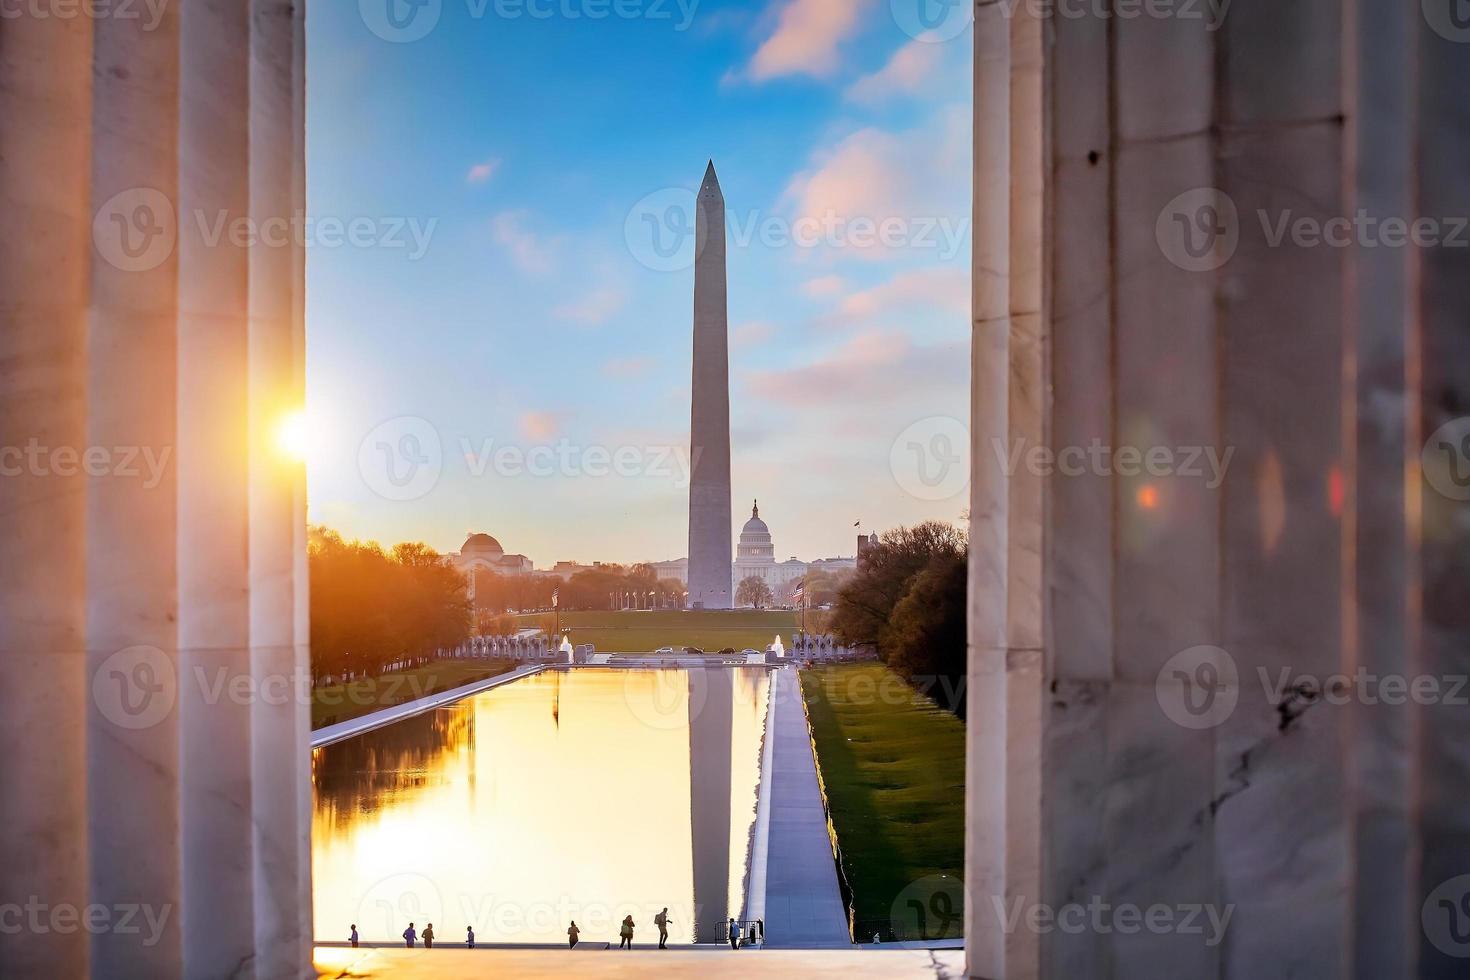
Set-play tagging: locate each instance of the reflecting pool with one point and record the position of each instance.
(585, 794)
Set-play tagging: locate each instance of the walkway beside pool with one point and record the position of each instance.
(803, 907)
(366, 723)
(713, 963)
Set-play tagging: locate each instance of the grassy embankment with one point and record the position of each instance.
(644, 632)
(893, 766)
(342, 702)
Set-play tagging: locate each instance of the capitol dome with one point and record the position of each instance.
(755, 540)
(481, 544)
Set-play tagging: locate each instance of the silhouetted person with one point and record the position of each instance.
(409, 936)
(429, 936)
(469, 937)
(760, 926)
(572, 933)
(353, 938)
(662, 921)
(626, 933)
(734, 935)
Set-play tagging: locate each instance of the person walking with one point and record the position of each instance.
(572, 933)
(626, 933)
(734, 935)
(409, 935)
(429, 936)
(469, 937)
(353, 938)
(662, 921)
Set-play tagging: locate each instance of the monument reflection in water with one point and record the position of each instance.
(584, 794)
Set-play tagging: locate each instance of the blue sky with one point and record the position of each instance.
(507, 295)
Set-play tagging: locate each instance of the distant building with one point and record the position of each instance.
(482, 553)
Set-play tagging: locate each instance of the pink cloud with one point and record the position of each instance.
(529, 252)
(482, 172)
(909, 184)
(906, 73)
(806, 38)
(870, 368)
(824, 286)
(539, 425)
(594, 308)
(945, 288)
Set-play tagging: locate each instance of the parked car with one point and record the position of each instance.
(728, 652)
(694, 651)
(664, 652)
(748, 652)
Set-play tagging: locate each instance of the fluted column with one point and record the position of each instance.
(277, 518)
(153, 613)
(132, 598)
(45, 169)
(213, 542)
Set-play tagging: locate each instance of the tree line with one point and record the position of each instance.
(371, 608)
(600, 588)
(908, 601)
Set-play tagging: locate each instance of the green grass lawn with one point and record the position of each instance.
(341, 702)
(644, 632)
(893, 768)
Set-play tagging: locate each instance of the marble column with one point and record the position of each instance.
(153, 616)
(1325, 827)
(133, 758)
(45, 179)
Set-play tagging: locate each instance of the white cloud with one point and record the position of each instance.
(593, 309)
(529, 251)
(753, 333)
(806, 38)
(872, 368)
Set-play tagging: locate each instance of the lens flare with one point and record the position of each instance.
(293, 436)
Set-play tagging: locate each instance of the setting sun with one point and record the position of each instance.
(293, 436)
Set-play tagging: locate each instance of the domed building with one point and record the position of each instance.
(755, 555)
(481, 552)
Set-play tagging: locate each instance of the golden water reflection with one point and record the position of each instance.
(565, 795)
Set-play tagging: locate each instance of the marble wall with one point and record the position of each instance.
(1183, 666)
(155, 793)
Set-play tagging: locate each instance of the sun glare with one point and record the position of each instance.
(293, 436)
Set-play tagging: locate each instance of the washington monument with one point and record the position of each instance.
(709, 433)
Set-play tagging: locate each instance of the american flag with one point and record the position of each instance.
(800, 592)
(555, 595)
